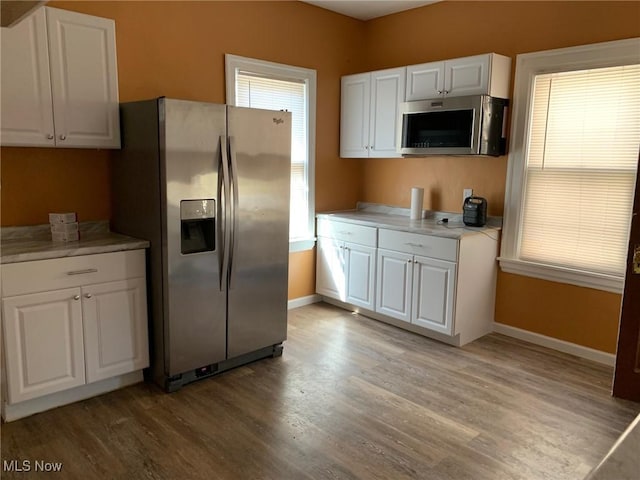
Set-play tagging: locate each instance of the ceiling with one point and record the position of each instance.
(368, 9)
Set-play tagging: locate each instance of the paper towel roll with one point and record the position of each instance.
(417, 198)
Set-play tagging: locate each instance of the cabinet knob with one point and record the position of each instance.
(76, 297)
(440, 92)
(409, 261)
(49, 137)
(446, 92)
(63, 137)
(87, 295)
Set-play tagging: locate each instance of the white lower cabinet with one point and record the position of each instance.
(434, 283)
(346, 271)
(437, 286)
(92, 328)
(416, 289)
(43, 343)
(330, 273)
(346, 262)
(394, 281)
(360, 274)
(115, 328)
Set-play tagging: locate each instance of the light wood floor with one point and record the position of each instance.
(351, 398)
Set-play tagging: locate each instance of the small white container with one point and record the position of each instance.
(65, 237)
(69, 217)
(64, 227)
(417, 199)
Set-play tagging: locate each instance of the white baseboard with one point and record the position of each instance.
(302, 301)
(556, 344)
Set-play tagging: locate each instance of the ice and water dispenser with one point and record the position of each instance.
(197, 226)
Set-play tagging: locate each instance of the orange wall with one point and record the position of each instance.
(36, 181)
(456, 29)
(177, 49)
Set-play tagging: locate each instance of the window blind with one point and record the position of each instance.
(582, 155)
(279, 94)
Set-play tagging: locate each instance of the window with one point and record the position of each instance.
(272, 86)
(574, 154)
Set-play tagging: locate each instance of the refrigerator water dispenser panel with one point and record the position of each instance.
(197, 226)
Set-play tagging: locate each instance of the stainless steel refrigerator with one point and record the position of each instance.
(208, 186)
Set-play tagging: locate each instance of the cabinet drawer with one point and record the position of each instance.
(348, 232)
(417, 244)
(54, 274)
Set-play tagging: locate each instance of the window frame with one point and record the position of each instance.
(235, 63)
(584, 57)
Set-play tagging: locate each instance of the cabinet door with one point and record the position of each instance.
(394, 278)
(330, 272)
(115, 328)
(425, 81)
(387, 91)
(27, 118)
(84, 79)
(354, 115)
(43, 343)
(433, 293)
(360, 271)
(467, 76)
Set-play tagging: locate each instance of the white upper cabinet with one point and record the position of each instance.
(354, 115)
(487, 74)
(60, 81)
(27, 117)
(369, 113)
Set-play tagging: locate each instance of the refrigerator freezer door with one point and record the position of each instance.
(260, 150)
(196, 304)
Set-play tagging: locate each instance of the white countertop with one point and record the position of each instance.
(25, 244)
(395, 218)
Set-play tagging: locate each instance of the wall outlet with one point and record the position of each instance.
(467, 192)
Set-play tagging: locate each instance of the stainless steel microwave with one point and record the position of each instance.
(473, 125)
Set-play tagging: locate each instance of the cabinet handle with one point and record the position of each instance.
(63, 137)
(87, 295)
(440, 92)
(446, 92)
(76, 297)
(416, 262)
(49, 137)
(80, 272)
(409, 261)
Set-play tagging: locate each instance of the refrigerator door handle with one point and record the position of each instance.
(233, 241)
(224, 202)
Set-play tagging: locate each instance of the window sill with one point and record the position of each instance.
(599, 281)
(301, 244)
